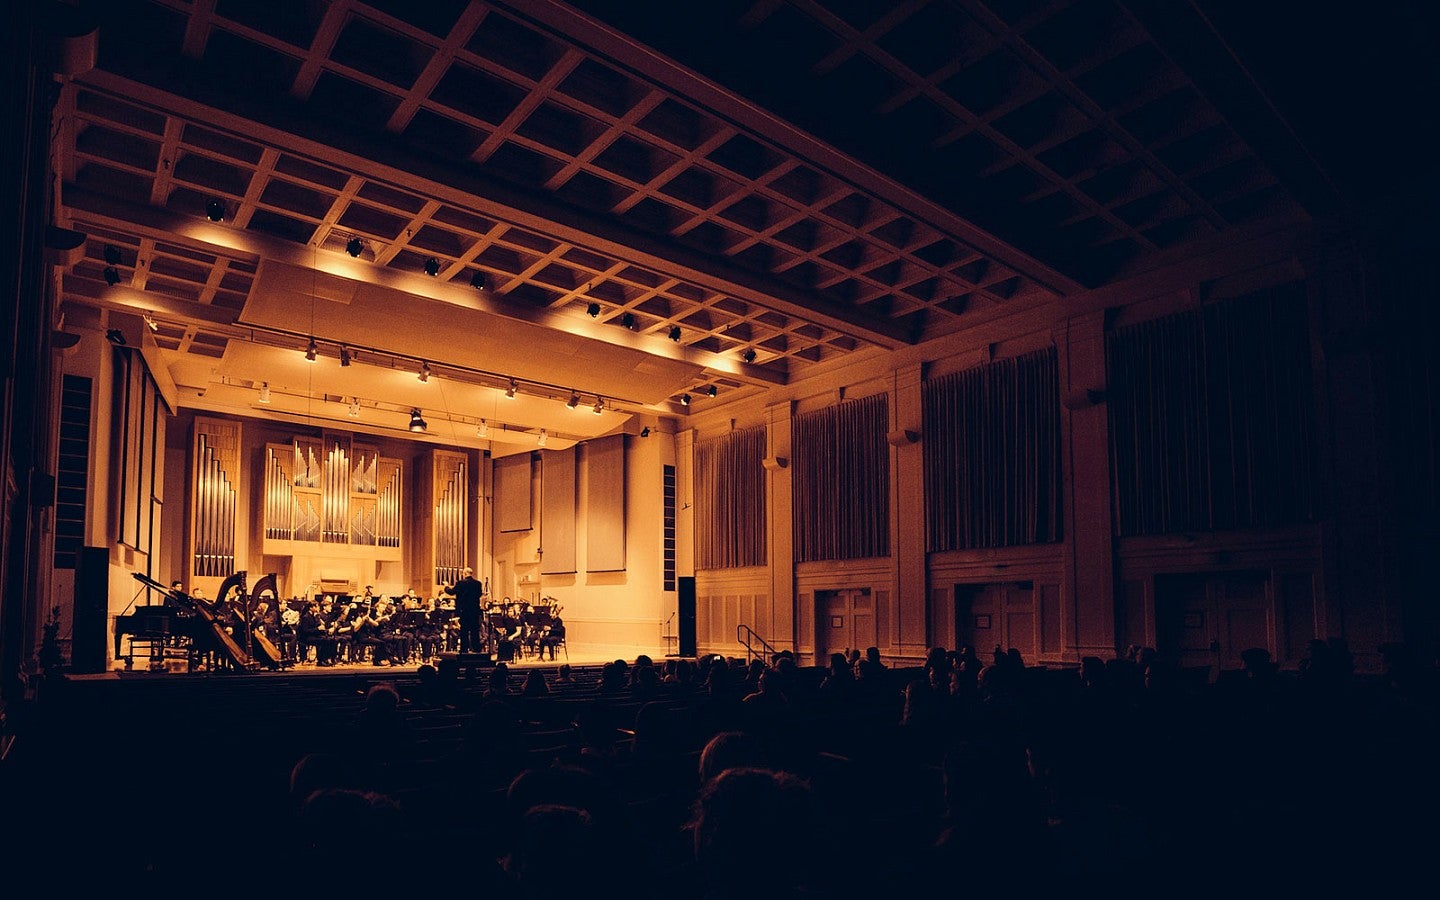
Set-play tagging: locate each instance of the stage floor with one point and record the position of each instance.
(579, 656)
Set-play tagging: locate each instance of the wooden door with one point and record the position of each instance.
(846, 620)
(1210, 618)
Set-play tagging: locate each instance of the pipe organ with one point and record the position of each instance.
(214, 492)
(451, 481)
(331, 491)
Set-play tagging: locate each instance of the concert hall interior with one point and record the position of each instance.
(1087, 333)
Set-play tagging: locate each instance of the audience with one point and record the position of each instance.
(720, 778)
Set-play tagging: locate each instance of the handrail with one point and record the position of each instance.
(744, 634)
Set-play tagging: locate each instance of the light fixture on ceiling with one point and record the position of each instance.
(112, 255)
(544, 436)
(574, 400)
(311, 351)
(150, 323)
(354, 407)
(511, 389)
(628, 321)
(432, 266)
(112, 276)
(478, 282)
(355, 247)
(483, 430)
(214, 210)
(416, 423)
(424, 375)
(645, 432)
(748, 355)
(675, 333)
(684, 399)
(344, 356)
(593, 310)
(599, 406)
(711, 391)
(264, 392)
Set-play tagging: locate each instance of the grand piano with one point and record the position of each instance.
(169, 624)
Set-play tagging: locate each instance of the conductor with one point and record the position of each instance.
(467, 593)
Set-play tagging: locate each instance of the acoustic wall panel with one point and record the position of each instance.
(605, 519)
(512, 493)
(557, 511)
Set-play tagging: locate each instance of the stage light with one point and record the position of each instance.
(311, 351)
(645, 432)
(711, 391)
(478, 281)
(424, 375)
(214, 210)
(355, 246)
(483, 430)
(599, 406)
(432, 266)
(510, 391)
(748, 355)
(593, 310)
(684, 399)
(116, 337)
(264, 392)
(542, 438)
(416, 423)
(574, 400)
(675, 334)
(112, 276)
(354, 407)
(151, 324)
(112, 255)
(628, 321)
(344, 356)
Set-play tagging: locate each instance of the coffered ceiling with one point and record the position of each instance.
(630, 201)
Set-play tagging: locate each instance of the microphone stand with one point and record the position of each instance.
(668, 636)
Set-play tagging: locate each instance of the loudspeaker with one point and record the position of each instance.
(687, 616)
(91, 607)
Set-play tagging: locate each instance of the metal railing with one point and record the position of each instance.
(746, 637)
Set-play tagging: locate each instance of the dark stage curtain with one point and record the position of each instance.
(841, 481)
(730, 500)
(992, 455)
(1212, 418)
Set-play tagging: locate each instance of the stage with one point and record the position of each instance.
(578, 656)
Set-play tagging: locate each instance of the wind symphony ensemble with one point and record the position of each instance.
(407, 629)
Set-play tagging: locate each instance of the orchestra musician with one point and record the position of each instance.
(428, 633)
(553, 636)
(314, 632)
(370, 631)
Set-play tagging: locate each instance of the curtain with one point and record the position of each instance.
(730, 500)
(841, 472)
(992, 455)
(1212, 418)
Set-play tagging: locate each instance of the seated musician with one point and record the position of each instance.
(554, 635)
(339, 623)
(369, 632)
(395, 627)
(280, 625)
(428, 633)
(313, 632)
